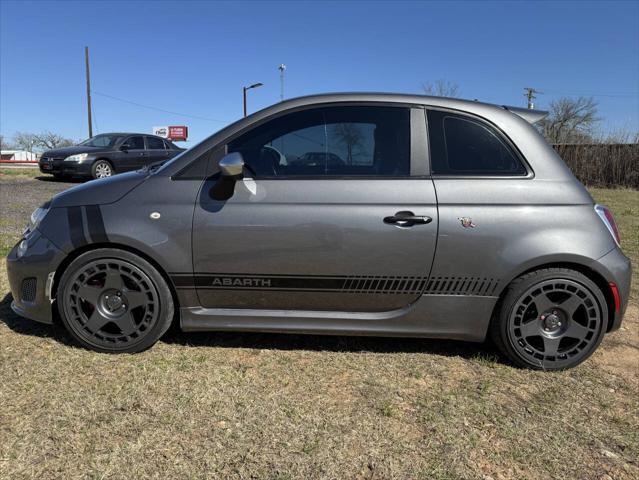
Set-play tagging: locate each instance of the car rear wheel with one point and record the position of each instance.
(550, 319)
(101, 169)
(114, 301)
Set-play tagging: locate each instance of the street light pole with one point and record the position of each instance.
(244, 89)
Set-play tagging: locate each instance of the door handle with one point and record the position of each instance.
(407, 219)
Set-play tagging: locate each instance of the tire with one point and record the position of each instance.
(114, 301)
(550, 319)
(101, 169)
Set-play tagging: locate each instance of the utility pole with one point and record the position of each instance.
(282, 68)
(86, 59)
(530, 95)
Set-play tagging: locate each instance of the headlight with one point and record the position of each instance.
(22, 248)
(37, 216)
(76, 158)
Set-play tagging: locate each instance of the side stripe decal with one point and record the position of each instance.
(74, 216)
(95, 225)
(393, 285)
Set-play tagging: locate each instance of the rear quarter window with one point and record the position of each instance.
(465, 146)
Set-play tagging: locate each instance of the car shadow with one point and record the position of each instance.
(271, 341)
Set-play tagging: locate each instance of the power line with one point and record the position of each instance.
(615, 94)
(95, 119)
(158, 109)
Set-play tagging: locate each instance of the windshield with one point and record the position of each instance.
(102, 141)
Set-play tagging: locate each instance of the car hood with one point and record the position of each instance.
(66, 151)
(101, 191)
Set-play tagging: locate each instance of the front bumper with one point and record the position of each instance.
(60, 167)
(31, 276)
(616, 267)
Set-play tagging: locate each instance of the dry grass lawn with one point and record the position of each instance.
(291, 406)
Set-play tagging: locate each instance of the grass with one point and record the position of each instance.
(26, 172)
(289, 406)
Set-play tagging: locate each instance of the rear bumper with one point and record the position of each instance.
(616, 267)
(34, 268)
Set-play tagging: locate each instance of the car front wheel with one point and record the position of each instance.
(550, 319)
(114, 301)
(101, 169)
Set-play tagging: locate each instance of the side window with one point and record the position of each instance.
(167, 145)
(464, 146)
(330, 141)
(135, 143)
(154, 143)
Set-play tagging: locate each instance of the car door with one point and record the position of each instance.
(134, 154)
(322, 235)
(156, 149)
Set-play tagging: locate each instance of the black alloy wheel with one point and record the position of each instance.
(551, 319)
(114, 301)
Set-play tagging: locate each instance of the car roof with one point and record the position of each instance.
(130, 133)
(466, 105)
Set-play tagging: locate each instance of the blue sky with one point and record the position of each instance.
(194, 57)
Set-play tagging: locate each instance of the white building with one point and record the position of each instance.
(18, 156)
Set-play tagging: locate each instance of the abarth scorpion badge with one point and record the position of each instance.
(467, 222)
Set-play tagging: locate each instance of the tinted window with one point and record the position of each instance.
(463, 146)
(168, 145)
(102, 141)
(154, 143)
(332, 141)
(135, 143)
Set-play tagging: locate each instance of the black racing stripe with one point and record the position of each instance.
(298, 283)
(74, 216)
(297, 290)
(96, 224)
(182, 281)
(264, 281)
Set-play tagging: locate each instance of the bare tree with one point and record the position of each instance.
(441, 88)
(4, 144)
(571, 120)
(49, 140)
(350, 135)
(25, 141)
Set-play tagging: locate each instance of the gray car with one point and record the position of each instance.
(417, 217)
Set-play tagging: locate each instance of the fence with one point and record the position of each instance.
(603, 165)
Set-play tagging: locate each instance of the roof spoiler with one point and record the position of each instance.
(531, 116)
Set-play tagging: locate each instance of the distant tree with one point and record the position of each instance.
(349, 135)
(441, 88)
(49, 140)
(570, 120)
(25, 141)
(4, 144)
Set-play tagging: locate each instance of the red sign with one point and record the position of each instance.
(180, 132)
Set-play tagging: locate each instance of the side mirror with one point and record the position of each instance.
(124, 147)
(232, 169)
(232, 165)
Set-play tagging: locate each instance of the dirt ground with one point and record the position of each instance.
(292, 406)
